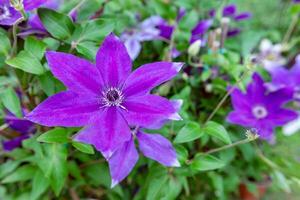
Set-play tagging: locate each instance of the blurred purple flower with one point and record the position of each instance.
(284, 78)
(296, 1)
(22, 126)
(243, 16)
(229, 10)
(9, 15)
(260, 109)
(200, 29)
(145, 31)
(106, 98)
(270, 55)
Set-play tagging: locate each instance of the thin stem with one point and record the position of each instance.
(244, 75)
(77, 7)
(291, 29)
(247, 140)
(15, 39)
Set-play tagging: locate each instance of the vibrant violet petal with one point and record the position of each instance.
(19, 124)
(166, 30)
(151, 22)
(107, 132)
(229, 10)
(14, 15)
(241, 118)
(175, 53)
(156, 147)
(202, 27)
(256, 89)
(281, 117)
(133, 47)
(79, 75)
(264, 131)
(122, 162)
(10, 145)
(279, 97)
(36, 24)
(181, 13)
(148, 76)
(239, 100)
(33, 4)
(148, 110)
(113, 61)
(243, 16)
(65, 109)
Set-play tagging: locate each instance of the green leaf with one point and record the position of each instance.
(54, 165)
(56, 135)
(217, 130)
(35, 47)
(27, 62)
(57, 24)
(8, 167)
(203, 162)
(11, 101)
(39, 185)
(88, 49)
(85, 148)
(191, 131)
(155, 187)
(23, 173)
(4, 44)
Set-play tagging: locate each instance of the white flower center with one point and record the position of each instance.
(4, 12)
(259, 112)
(112, 97)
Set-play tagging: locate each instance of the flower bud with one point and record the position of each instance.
(194, 48)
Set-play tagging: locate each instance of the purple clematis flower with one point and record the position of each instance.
(284, 78)
(106, 98)
(9, 15)
(22, 126)
(153, 146)
(145, 31)
(261, 110)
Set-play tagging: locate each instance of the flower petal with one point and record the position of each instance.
(13, 17)
(108, 131)
(10, 145)
(158, 148)
(32, 4)
(256, 90)
(148, 110)
(133, 47)
(241, 118)
(229, 10)
(148, 76)
(122, 162)
(239, 100)
(78, 74)
(113, 61)
(65, 109)
(281, 117)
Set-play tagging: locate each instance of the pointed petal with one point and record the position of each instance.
(281, 117)
(133, 47)
(241, 118)
(229, 10)
(148, 110)
(14, 16)
(239, 100)
(122, 162)
(148, 76)
(32, 4)
(278, 98)
(78, 74)
(107, 132)
(113, 61)
(158, 148)
(256, 89)
(10, 145)
(65, 109)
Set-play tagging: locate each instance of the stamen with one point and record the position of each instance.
(112, 97)
(259, 112)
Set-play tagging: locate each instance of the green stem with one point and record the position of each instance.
(291, 29)
(247, 140)
(15, 38)
(244, 75)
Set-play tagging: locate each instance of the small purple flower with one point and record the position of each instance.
(284, 78)
(261, 109)
(9, 15)
(22, 126)
(229, 10)
(145, 31)
(200, 29)
(106, 97)
(242, 16)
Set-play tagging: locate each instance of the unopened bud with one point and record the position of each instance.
(194, 48)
